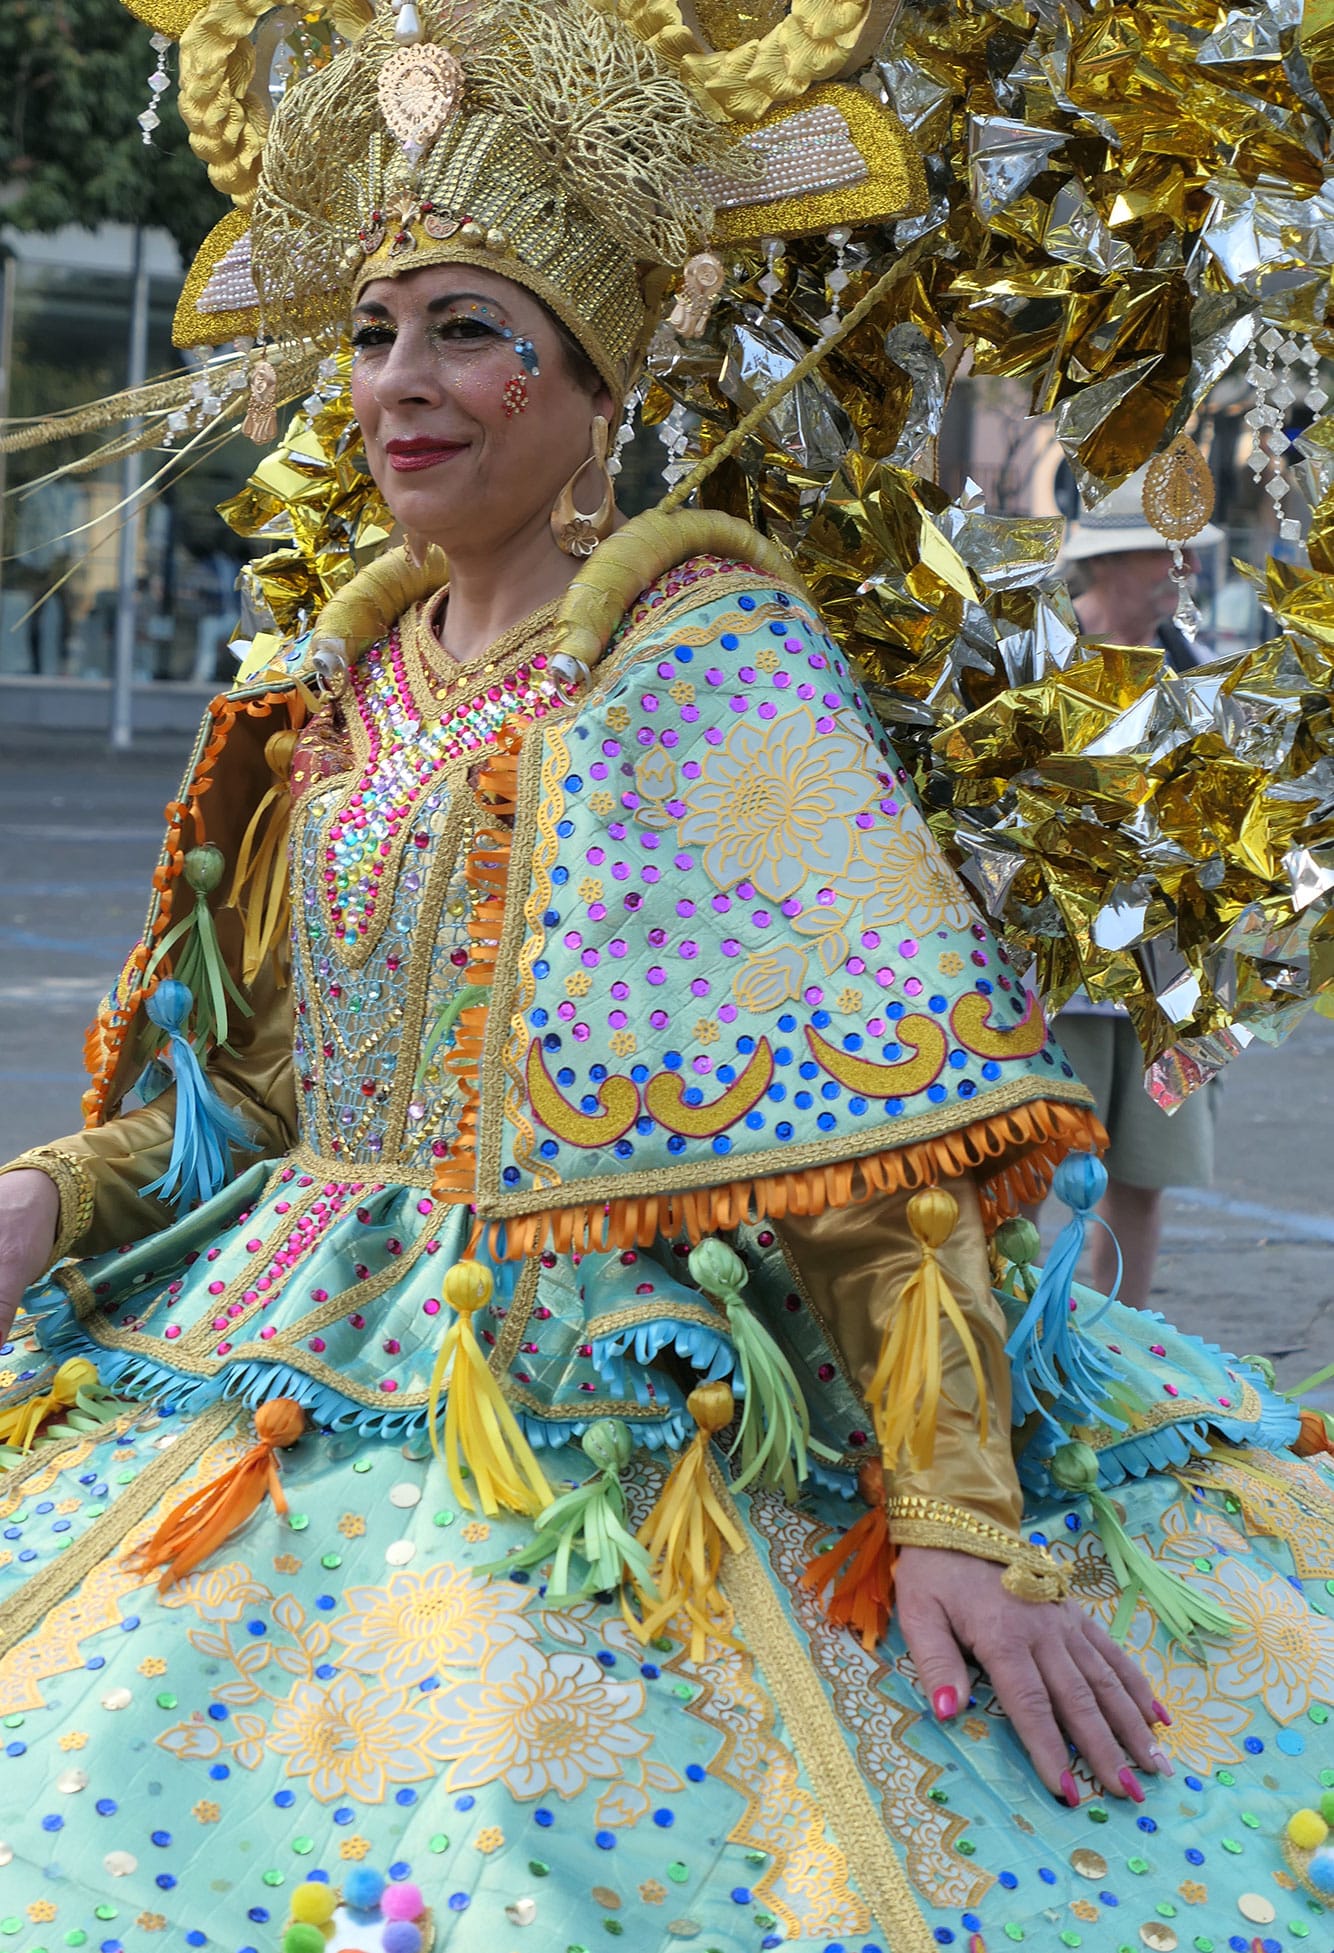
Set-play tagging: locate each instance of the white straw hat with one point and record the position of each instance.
(1118, 524)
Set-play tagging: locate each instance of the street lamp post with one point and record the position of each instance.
(127, 569)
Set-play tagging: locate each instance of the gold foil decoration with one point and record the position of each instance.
(1178, 491)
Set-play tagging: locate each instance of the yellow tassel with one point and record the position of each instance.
(685, 1534)
(905, 1390)
(259, 890)
(481, 1431)
(19, 1426)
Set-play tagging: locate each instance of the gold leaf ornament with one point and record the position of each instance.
(1179, 491)
(420, 89)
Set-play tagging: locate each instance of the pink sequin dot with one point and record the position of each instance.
(1171, 1390)
(431, 1307)
(172, 1331)
(387, 1384)
(318, 1344)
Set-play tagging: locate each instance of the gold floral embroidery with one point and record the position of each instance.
(623, 1044)
(354, 1847)
(41, 1912)
(705, 1031)
(1193, 1892)
(205, 1812)
(151, 1922)
(153, 1667)
(618, 718)
(286, 1563)
(348, 1740)
(906, 882)
(774, 804)
(949, 962)
(540, 1723)
(73, 1739)
(652, 1893)
(1083, 1909)
(683, 692)
(590, 889)
(421, 1624)
(64, 1506)
(849, 1000)
(476, 1531)
(489, 1840)
(601, 802)
(578, 983)
(770, 977)
(352, 1525)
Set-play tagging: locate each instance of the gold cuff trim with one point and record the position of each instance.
(74, 1185)
(1030, 1573)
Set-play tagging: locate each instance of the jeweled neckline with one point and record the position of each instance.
(438, 681)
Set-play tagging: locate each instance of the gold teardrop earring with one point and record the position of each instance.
(578, 534)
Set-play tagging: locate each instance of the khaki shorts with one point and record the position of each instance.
(1149, 1148)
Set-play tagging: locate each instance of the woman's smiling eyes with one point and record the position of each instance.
(473, 325)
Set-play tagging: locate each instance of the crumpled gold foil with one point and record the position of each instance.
(1122, 201)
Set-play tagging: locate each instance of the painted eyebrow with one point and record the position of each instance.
(373, 309)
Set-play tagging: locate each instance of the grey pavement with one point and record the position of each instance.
(1249, 1263)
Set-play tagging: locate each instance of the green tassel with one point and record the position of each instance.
(774, 1435)
(199, 962)
(1182, 1610)
(589, 1521)
(94, 1406)
(464, 997)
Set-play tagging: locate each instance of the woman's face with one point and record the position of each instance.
(471, 419)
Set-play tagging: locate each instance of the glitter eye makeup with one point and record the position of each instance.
(527, 352)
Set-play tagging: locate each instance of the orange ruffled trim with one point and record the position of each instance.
(106, 1035)
(486, 871)
(1046, 1130)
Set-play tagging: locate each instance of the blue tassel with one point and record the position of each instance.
(1055, 1369)
(205, 1129)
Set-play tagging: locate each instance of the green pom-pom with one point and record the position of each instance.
(204, 867)
(302, 1937)
(1327, 1807)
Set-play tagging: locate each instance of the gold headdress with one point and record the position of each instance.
(548, 142)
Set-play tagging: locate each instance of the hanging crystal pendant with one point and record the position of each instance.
(158, 82)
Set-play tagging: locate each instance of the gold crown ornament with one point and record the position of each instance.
(548, 142)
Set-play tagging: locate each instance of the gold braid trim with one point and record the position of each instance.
(1030, 1573)
(226, 113)
(814, 41)
(73, 1183)
(821, 1744)
(61, 1576)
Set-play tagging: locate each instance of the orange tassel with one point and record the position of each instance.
(861, 1567)
(208, 1518)
(1313, 1437)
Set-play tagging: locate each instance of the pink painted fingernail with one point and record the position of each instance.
(1131, 1784)
(945, 1702)
(1162, 1762)
(1160, 1715)
(1069, 1790)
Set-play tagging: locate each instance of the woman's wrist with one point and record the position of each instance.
(1030, 1573)
(74, 1195)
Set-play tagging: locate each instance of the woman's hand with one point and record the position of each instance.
(1057, 1674)
(29, 1218)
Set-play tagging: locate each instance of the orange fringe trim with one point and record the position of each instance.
(1046, 1129)
(106, 1035)
(486, 871)
(861, 1567)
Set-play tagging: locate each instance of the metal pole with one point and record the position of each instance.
(127, 570)
(8, 279)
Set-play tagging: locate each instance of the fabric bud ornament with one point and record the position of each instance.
(328, 660)
(20, 1424)
(259, 891)
(589, 1521)
(774, 1430)
(207, 1519)
(859, 1568)
(196, 960)
(1057, 1371)
(480, 1429)
(904, 1392)
(686, 1533)
(204, 1129)
(1182, 1610)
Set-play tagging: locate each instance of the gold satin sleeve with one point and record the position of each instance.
(100, 1173)
(853, 1262)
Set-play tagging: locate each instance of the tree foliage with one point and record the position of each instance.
(71, 152)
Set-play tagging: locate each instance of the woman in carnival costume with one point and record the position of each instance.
(626, 1123)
